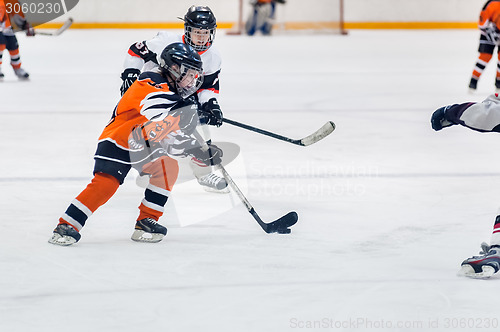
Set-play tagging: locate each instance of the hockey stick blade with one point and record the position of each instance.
(318, 135)
(281, 225)
(63, 28)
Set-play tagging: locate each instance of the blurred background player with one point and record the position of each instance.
(199, 33)
(489, 22)
(133, 139)
(262, 16)
(483, 117)
(8, 38)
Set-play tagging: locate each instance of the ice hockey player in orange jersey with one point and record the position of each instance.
(151, 126)
(200, 27)
(8, 38)
(489, 25)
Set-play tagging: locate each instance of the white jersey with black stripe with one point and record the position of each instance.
(211, 61)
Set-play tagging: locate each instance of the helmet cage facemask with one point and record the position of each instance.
(178, 74)
(188, 35)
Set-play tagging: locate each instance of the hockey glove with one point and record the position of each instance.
(211, 113)
(129, 76)
(439, 118)
(210, 157)
(23, 24)
(30, 32)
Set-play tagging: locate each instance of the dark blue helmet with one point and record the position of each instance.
(183, 65)
(199, 25)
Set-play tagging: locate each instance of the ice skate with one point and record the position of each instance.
(65, 235)
(148, 230)
(213, 183)
(22, 74)
(484, 265)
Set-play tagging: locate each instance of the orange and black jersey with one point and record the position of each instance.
(490, 13)
(4, 17)
(10, 12)
(148, 98)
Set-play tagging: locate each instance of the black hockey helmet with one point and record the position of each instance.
(202, 18)
(183, 65)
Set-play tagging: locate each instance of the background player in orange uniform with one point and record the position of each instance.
(489, 23)
(151, 126)
(8, 39)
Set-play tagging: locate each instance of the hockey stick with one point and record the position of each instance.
(280, 225)
(63, 28)
(57, 32)
(318, 135)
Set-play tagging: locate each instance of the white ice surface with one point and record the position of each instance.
(388, 208)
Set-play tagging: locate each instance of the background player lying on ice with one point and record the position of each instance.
(262, 16)
(199, 32)
(8, 38)
(483, 117)
(489, 23)
(151, 125)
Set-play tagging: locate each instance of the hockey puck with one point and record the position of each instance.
(284, 231)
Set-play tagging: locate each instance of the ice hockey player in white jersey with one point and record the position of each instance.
(482, 117)
(199, 32)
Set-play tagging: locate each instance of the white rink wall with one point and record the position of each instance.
(412, 10)
(295, 10)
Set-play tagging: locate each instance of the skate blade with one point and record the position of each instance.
(142, 236)
(61, 240)
(216, 191)
(467, 271)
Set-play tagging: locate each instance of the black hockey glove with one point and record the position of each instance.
(30, 32)
(440, 120)
(129, 76)
(210, 157)
(23, 24)
(210, 113)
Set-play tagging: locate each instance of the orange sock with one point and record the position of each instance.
(97, 193)
(164, 172)
(15, 59)
(481, 63)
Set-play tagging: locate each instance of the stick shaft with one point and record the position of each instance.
(260, 131)
(233, 185)
(318, 135)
